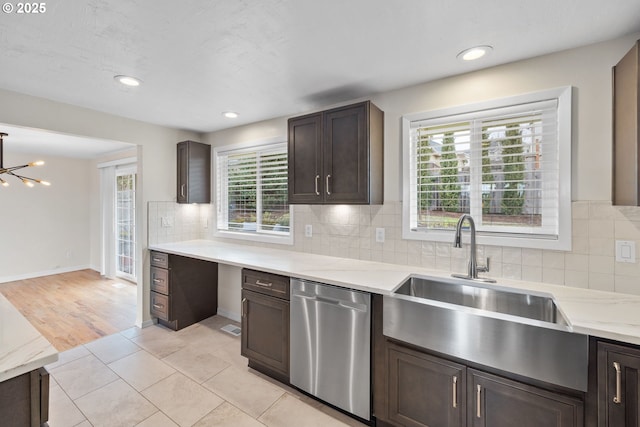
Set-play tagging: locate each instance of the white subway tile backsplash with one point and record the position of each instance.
(349, 231)
(601, 228)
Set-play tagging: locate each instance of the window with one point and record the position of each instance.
(507, 163)
(252, 197)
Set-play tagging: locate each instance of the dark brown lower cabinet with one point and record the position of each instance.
(425, 391)
(265, 323)
(618, 385)
(24, 400)
(495, 401)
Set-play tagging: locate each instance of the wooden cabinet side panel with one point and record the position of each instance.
(626, 138)
(194, 290)
(501, 403)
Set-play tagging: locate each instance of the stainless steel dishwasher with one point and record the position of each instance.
(331, 345)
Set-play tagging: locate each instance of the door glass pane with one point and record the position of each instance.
(125, 225)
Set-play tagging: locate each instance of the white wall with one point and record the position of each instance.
(156, 153)
(44, 229)
(349, 231)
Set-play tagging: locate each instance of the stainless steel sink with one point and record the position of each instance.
(512, 302)
(524, 333)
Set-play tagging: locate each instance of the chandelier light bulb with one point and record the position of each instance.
(11, 170)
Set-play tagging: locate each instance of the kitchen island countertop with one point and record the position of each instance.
(22, 347)
(602, 314)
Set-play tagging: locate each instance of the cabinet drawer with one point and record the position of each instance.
(266, 283)
(160, 306)
(159, 259)
(160, 280)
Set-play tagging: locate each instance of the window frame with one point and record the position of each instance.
(262, 236)
(563, 96)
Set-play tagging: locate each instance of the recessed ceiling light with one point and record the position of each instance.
(127, 80)
(230, 114)
(474, 53)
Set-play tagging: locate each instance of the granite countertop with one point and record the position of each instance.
(22, 347)
(601, 314)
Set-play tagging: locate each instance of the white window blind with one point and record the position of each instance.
(504, 166)
(252, 190)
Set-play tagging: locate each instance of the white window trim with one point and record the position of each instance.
(563, 242)
(263, 237)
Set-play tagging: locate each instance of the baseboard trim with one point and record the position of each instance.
(5, 279)
(229, 314)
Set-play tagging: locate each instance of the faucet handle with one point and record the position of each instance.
(484, 268)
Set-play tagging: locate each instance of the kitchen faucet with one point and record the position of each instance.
(473, 263)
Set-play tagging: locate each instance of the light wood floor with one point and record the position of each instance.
(75, 308)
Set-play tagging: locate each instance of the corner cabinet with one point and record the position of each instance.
(194, 172)
(618, 385)
(336, 156)
(183, 290)
(265, 323)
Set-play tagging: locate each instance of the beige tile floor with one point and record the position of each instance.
(155, 377)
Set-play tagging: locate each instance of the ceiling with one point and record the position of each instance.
(272, 58)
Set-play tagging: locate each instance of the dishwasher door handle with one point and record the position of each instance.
(341, 303)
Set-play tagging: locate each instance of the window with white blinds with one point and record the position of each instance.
(251, 192)
(506, 163)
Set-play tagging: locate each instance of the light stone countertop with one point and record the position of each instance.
(601, 314)
(22, 347)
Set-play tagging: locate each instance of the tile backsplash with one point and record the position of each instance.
(349, 231)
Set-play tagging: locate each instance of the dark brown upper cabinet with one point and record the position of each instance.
(626, 138)
(336, 156)
(194, 172)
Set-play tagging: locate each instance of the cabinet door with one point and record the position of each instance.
(618, 386)
(194, 172)
(305, 159)
(497, 402)
(265, 330)
(183, 172)
(425, 390)
(346, 155)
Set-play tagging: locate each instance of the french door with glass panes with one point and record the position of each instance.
(125, 225)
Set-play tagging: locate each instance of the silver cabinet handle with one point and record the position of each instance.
(327, 182)
(243, 309)
(182, 190)
(455, 392)
(478, 401)
(265, 284)
(157, 260)
(618, 397)
(317, 191)
(158, 280)
(158, 306)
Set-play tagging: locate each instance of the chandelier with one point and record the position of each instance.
(11, 170)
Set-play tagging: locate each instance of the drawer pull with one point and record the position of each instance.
(455, 392)
(618, 397)
(264, 284)
(158, 260)
(158, 306)
(478, 401)
(158, 280)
